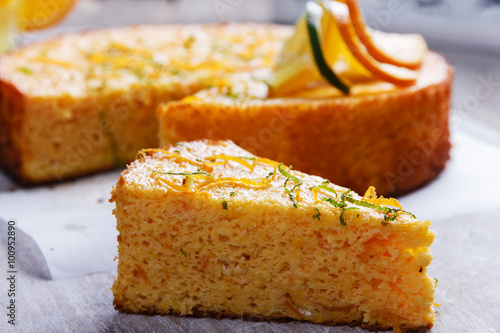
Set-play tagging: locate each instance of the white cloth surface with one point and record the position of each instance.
(72, 222)
(470, 183)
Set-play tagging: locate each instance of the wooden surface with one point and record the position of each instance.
(467, 264)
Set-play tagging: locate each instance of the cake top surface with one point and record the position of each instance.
(155, 55)
(251, 87)
(166, 56)
(228, 174)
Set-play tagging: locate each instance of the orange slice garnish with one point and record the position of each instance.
(356, 55)
(404, 50)
(396, 75)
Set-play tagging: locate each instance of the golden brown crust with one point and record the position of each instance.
(11, 115)
(253, 317)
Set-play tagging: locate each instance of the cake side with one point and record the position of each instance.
(191, 245)
(394, 139)
(64, 138)
(85, 102)
(11, 140)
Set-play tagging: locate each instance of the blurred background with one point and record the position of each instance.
(467, 23)
(466, 32)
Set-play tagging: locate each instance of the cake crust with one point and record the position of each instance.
(231, 315)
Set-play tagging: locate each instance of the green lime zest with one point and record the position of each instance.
(322, 65)
(292, 197)
(185, 173)
(335, 203)
(404, 211)
(291, 177)
(246, 158)
(25, 70)
(329, 189)
(391, 213)
(342, 214)
(388, 217)
(317, 215)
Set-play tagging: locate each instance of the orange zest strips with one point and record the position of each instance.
(208, 167)
(204, 166)
(297, 195)
(315, 193)
(50, 61)
(267, 161)
(240, 160)
(241, 182)
(169, 183)
(371, 196)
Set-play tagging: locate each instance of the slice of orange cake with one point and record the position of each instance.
(206, 228)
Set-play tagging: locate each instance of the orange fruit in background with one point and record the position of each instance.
(40, 14)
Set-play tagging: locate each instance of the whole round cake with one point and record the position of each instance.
(395, 140)
(357, 109)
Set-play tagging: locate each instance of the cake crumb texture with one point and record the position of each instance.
(206, 228)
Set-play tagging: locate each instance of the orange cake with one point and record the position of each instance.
(206, 228)
(85, 102)
(394, 140)
(332, 98)
(383, 125)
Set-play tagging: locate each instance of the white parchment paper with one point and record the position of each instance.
(72, 222)
(470, 183)
(73, 225)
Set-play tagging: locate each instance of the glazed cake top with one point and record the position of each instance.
(252, 88)
(116, 59)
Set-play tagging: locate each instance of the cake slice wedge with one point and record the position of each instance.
(206, 228)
